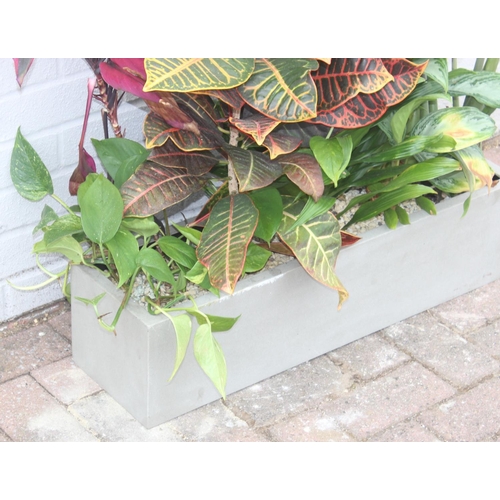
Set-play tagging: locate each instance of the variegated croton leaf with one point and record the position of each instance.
(345, 78)
(197, 107)
(155, 187)
(257, 126)
(253, 169)
(304, 171)
(282, 89)
(192, 74)
(225, 239)
(279, 144)
(364, 109)
(316, 244)
(195, 162)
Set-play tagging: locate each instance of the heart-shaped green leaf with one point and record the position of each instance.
(182, 328)
(124, 249)
(270, 206)
(66, 225)
(28, 172)
(102, 208)
(333, 155)
(67, 246)
(154, 264)
(120, 157)
(178, 250)
(210, 357)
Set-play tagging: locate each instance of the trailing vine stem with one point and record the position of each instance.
(233, 141)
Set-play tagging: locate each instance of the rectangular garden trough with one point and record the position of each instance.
(287, 318)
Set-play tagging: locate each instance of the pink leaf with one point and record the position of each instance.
(22, 66)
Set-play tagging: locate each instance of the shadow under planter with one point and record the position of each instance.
(287, 318)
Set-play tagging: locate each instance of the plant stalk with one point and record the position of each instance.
(233, 141)
(456, 99)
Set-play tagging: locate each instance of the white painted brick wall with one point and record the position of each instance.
(49, 108)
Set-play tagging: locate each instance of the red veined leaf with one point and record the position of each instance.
(258, 126)
(406, 75)
(304, 171)
(345, 78)
(195, 162)
(222, 192)
(229, 96)
(365, 109)
(225, 239)
(155, 187)
(199, 109)
(279, 144)
(253, 169)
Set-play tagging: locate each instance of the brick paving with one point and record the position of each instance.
(432, 377)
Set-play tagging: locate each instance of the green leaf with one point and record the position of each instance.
(225, 239)
(313, 209)
(29, 174)
(124, 249)
(437, 70)
(400, 118)
(182, 327)
(484, 86)
(466, 125)
(48, 216)
(316, 244)
(270, 206)
(178, 250)
(188, 75)
(146, 226)
(67, 246)
(391, 218)
(66, 225)
(411, 147)
(221, 323)
(210, 357)
(102, 208)
(472, 160)
(120, 157)
(154, 264)
(256, 258)
(426, 204)
(402, 215)
(385, 201)
(193, 235)
(333, 155)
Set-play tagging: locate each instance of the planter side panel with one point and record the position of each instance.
(287, 318)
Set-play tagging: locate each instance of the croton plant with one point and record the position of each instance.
(273, 144)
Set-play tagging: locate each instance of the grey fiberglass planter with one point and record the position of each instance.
(287, 318)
